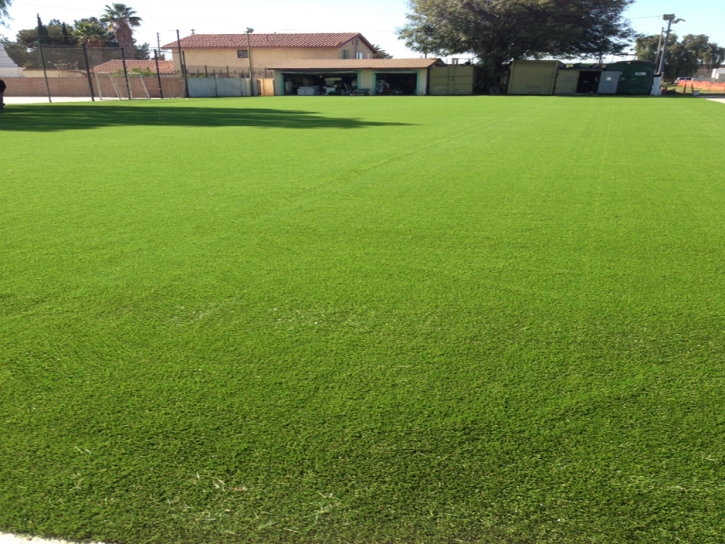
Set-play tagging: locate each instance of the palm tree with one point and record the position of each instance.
(89, 33)
(121, 19)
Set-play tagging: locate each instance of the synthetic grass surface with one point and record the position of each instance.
(363, 320)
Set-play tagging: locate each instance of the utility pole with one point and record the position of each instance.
(671, 20)
(158, 41)
(251, 66)
(659, 47)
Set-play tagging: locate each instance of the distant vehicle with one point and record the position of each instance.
(682, 80)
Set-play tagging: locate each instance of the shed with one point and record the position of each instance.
(567, 81)
(353, 76)
(452, 79)
(533, 77)
(636, 77)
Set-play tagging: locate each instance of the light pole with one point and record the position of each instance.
(671, 20)
(659, 47)
(251, 66)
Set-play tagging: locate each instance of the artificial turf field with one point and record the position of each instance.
(477, 319)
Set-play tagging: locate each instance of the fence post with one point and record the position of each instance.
(88, 73)
(182, 64)
(45, 73)
(125, 73)
(158, 73)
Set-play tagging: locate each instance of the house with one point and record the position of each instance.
(229, 53)
(353, 76)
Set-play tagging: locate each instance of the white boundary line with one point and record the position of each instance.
(7, 538)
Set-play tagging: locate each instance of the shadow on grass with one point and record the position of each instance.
(86, 116)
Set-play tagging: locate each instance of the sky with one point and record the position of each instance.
(375, 19)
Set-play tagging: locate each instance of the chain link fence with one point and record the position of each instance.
(105, 73)
(95, 73)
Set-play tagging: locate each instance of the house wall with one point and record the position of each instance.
(263, 58)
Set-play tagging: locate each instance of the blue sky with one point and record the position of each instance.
(376, 19)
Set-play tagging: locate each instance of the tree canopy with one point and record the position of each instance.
(89, 31)
(497, 31)
(684, 57)
(4, 5)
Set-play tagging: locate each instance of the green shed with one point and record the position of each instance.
(636, 78)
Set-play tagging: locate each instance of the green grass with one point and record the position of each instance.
(491, 319)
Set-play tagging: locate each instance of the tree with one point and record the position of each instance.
(684, 57)
(24, 50)
(121, 20)
(4, 5)
(381, 53)
(90, 33)
(43, 34)
(141, 52)
(497, 31)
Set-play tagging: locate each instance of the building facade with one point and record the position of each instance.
(229, 53)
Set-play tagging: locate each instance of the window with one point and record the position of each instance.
(345, 54)
(242, 54)
(359, 55)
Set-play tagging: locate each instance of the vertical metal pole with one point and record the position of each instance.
(125, 73)
(664, 50)
(659, 47)
(88, 73)
(186, 71)
(45, 73)
(100, 89)
(182, 64)
(251, 66)
(158, 73)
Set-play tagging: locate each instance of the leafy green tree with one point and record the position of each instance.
(43, 34)
(121, 20)
(4, 5)
(684, 57)
(24, 50)
(90, 33)
(142, 52)
(497, 31)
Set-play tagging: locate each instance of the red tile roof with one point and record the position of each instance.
(111, 66)
(355, 64)
(239, 41)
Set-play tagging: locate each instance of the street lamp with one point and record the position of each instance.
(671, 20)
(251, 66)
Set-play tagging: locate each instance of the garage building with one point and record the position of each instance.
(353, 76)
